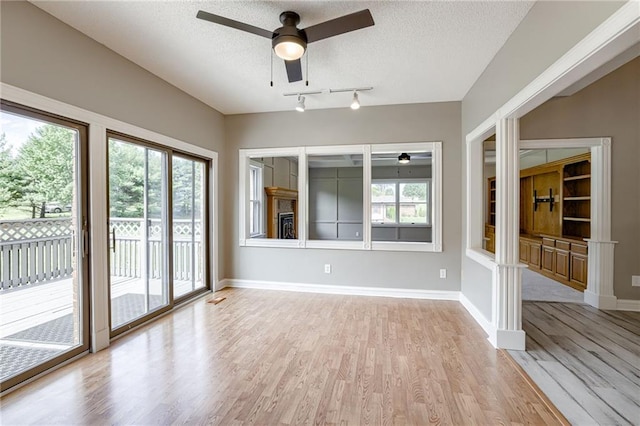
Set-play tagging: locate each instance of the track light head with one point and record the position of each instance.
(355, 104)
(300, 106)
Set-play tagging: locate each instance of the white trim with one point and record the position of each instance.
(564, 143)
(486, 324)
(98, 212)
(483, 131)
(336, 244)
(365, 150)
(346, 290)
(403, 246)
(628, 305)
(482, 257)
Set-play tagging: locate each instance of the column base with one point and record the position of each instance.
(508, 339)
(600, 301)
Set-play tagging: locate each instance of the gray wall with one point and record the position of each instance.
(399, 123)
(548, 31)
(335, 203)
(608, 107)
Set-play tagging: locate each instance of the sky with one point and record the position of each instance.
(17, 129)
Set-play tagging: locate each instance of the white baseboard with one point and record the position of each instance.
(628, 305)
(486, 325)
(404, 293)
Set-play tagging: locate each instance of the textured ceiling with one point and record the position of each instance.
(417, 52)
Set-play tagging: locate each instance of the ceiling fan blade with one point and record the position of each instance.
(344, 24)
(216, 19)
(294, 70)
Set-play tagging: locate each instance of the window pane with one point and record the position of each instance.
(188, 211)
(413, 213)
(390, 213)
(383, 193)
(413, 192)
(335, 197)
(42, 290)
(138, 227)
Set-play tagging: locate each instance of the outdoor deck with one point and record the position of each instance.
(36, 321)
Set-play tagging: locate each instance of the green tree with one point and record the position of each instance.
(126, 180)
(415, 191)
(45, 162)
(11, 183)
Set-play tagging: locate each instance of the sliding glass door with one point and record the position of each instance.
(189, 224)
(139, 219)
(43, 242)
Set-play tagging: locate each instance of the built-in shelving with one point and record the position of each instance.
(576, 197)
(570, 178)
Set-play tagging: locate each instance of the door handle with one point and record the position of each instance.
(113, 240)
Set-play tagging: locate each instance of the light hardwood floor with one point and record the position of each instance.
(268, 357)
(585, 360)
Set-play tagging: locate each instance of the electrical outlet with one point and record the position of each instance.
(635, 280)
(327, 268)
(443, 273)
(357, 234)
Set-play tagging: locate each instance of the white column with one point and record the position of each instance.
(599, 292)
(507, 277)
(99, 241)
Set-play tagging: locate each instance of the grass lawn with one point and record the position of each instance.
(24, 212)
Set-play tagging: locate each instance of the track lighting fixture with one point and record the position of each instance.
(404, 158)
(300, 107)
(355, 103)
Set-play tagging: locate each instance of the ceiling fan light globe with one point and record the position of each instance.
(289, 50)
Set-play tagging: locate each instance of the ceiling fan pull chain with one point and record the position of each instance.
(307, 62)
(271, 56)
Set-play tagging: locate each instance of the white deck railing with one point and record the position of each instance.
(39, 250)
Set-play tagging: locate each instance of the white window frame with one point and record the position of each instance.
(256, 198)
(397, 202)
(302, 153)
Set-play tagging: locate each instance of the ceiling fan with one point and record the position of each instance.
(289, 42)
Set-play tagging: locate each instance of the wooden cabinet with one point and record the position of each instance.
(578, 268)
(563, 260)
(555, 218)
(530, 252)
(548, 262)
(561, 264)
(490, 238)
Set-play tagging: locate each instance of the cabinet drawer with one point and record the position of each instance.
(549, 242)
(578, 248)
(563, 245)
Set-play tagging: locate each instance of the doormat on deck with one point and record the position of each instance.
(16, 359)
(59, 331)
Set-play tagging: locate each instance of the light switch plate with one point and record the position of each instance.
(635, 280)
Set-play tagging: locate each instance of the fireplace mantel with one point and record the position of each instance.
(280, 200)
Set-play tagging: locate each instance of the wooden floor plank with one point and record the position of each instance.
(268, 357)
(585, 360)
